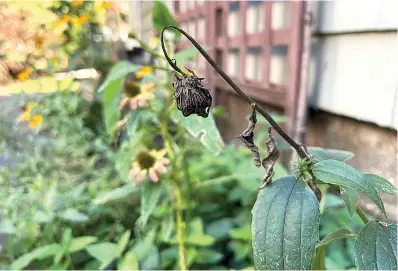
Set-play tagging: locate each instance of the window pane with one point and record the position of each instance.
(255, 17)
(254, 67)
(233, 62)
(278, 65)
(280, 14)
(233, 19)
(201, 29)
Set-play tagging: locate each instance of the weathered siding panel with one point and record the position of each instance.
(355, 75)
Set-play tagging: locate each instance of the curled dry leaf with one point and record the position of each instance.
(269, 161)
(247, 138)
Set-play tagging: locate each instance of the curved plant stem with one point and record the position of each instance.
(177, 195)
(235, 87)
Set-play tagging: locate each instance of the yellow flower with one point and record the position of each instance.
(36, 120)
(137, 94)
(38, 41)
(77, 3)
(81, 19)
(149, 163)
(24, 74)
(143, 71)
(106, 4)
(25, 116)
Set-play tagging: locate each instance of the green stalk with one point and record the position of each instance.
(177, 190)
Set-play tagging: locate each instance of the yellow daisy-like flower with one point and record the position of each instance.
(24, 74)
(81, 19)
(137, 94)
(143, 71)
(106, 4)
(77, 3)
(149, 163)
(36, 120)
(25, 116)
(64, 19)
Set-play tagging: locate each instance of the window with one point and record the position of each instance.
(255, 17)
(280, 14)
(219, 23)
(233, 62)
(201, 29)
(279, 65)
(233, 19)
(254, 61)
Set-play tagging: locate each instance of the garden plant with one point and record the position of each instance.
(140, 178)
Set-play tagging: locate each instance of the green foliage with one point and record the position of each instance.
(382, 254)
(285, 225)
(336, 172)
(162, 17)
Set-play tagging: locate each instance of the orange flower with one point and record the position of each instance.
(81, 19)
(149, 163)
(77, 3)
(65, 19)
(36, 120)
(143, 71)
(24, 74)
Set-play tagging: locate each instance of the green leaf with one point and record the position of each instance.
(104, 252)
(182, 57)
(161, 17)
(381, 184)
(111, 89)
(128, 262)
(152, 261)
(149, 200)
(38, 253)
(208, 256)
(325, 154)
(318, 262)
(200, 240)
(143, 247)
(6, 226)
(350, 198)
(243, 233)
(336, 172)
(116, 194)
(240, 249)
(81, 243)
(66, 238)
(220, 228)
(376, 246)
(123, 242)
(285, 225)
(204, 129)
(74, 216)
(339, 233)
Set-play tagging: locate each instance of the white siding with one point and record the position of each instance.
(354, 15)
(356, 75)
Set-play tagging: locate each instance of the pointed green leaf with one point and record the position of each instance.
(382, 185)
(335, 235)
(161, 17)
(73, 215)
(128, 262)
(38, 253)
(243, 233)
(81, 243)
(149, 200)
(376, 246)
(66, 238)
(116, 194)
(285, 225)
(325, 154)
(111, 89)
(350, 198)
(123, 242)
(204, 129)
(104, 252)
(336, 172)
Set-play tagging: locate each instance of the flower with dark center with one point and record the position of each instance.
(137, 94)
(191, 95)
(149, 163)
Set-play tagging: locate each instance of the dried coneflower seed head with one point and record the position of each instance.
(191, 95)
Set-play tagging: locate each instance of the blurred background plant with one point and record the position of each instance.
(85, 184)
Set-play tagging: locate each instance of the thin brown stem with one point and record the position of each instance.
(235, 87)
